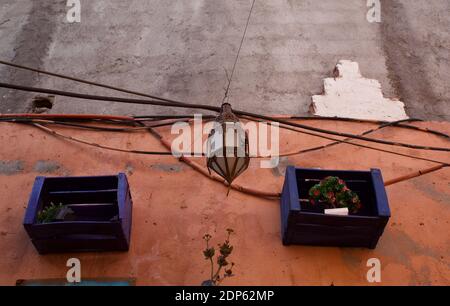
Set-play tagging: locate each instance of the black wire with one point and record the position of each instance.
(346, 141)
(230, 79)
(166, 153)
(127, 122)
(213, 108)
(141, 126)
(177, 102)
(168, 116)
(88, 127)
(390, 123)
(88, 82)
(364, 146)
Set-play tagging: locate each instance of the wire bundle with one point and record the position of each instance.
(140, 123)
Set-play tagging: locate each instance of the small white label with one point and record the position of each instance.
(337, 211)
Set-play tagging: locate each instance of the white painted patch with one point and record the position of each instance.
(350, 95)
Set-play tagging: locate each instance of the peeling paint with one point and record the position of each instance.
(280, 170)
(43, 166)
(129, 169)
(11, 167)
(349, 95)
(168, 167)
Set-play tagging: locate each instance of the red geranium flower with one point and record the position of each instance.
(333, 192)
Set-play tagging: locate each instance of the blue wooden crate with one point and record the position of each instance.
(103, 209)
(302, 225)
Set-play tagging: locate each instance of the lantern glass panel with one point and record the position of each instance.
(227, 148)
(241, 166)
(218, 165)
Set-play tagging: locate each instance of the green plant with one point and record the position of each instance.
(334, 193)
(225, 250)
(49, 213)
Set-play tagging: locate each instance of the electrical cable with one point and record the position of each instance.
(53, 132)
(251, 191)
(387, 124)
(87, 82)
(347, 139)
(177, 102)
(67, 116)
(150, 127)
(398, 124)
(230, 79)
(367, 147)
(123, 119)
(88, 127)
(21, 119)
(337, 141)
(212, 108)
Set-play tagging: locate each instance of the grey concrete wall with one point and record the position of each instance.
(179, 49)
(417, 43)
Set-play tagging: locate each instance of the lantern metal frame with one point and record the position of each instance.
(240, 163)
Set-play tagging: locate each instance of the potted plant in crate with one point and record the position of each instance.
(307, 193)
(92, 214)
(332, 194)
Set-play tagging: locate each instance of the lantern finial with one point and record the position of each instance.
(226, 114)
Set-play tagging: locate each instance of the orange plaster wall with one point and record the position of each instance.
(174, 206)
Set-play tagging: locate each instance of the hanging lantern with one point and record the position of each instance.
(227, 146)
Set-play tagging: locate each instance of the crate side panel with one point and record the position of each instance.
(284, 210)
(330, 220)
(380, 194)
(125, 206)
(80, 183)
(95, 211)
(343, 236)
(33, 203)
(81, 197)
(291, 180)
(61, 229)
(84, 244)
(317, 237)
(305, 173)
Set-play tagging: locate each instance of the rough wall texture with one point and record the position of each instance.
(416, 39)
(174, 206)
(179, 49)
